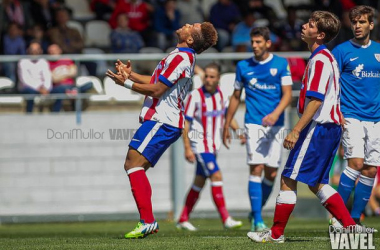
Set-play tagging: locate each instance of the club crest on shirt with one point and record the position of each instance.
(273, 71)
(377, 56)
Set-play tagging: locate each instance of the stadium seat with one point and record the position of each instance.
(226, 83)
(147, 67)
(197, 81)
(97, 33)
(96, 84)
(81, 9)
(76, 25)
(204, 63)
(102, 66)
(7, 86)
(118, 93)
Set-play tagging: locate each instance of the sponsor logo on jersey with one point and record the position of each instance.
(353, 59)
(360, 73)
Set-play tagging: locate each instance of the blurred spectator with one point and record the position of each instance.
(290, 31)
(42, 13)
(123, 39)
(15, 11)
(166, 22)
(376, 30)
(259, 9)
(63, 72)
(333, 6)
(139, 16)
(13, 44)
(224, 15)
(37, 34)
(34, 75)
(297, 68)
(67, 38)
(103, 8)
(241, 40)
(191, 12)
(345, 32)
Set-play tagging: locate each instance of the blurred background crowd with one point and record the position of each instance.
(55, 27)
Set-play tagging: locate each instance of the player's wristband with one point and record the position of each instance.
(128, 84)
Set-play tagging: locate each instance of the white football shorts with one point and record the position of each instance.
(264, 144)
(361, 139)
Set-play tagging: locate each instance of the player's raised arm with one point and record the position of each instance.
(133, 76)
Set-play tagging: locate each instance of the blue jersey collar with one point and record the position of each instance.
(321, 47)
(205, 91)
(183, 49)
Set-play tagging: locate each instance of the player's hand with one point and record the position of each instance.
(226, 137)
(291, 139)
(121, 66)
(43, 91)
(269, 120)
(118, 78)
(343, 121)
(190, 156)
(243, 139)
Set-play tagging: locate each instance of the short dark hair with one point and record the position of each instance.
(326, 22)
(215, 66)
(204, 39)
(361, 10)
(260, 31)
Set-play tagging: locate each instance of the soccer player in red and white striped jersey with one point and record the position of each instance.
(162, 114)
(315, 138)
(205, 111)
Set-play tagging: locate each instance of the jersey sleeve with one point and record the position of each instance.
(173, 70)
(286, 77)
(319, 74)
(238, 79)
(191, 106)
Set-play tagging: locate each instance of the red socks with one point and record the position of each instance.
(142, 192)
(334, 203)
(191, 199)
(217, 195)
(285, 203)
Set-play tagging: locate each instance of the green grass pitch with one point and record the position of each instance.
(300, 234)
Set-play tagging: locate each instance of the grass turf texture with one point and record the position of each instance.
(300, 234)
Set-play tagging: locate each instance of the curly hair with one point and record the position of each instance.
(204, 39)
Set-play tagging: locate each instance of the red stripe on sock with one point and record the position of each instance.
(142, 192)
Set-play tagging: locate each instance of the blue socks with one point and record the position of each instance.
(255, 196)
(347, 183)
(363, 192)
(266, 189)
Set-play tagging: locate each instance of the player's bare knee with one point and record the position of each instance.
(217, 176)
(256, 169)
(369, 171)
(356, 164)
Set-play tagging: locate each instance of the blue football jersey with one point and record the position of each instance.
(360, 80)
(262, 81)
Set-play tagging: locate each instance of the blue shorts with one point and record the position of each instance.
(206, 164)
(311, 159)
(153, 138)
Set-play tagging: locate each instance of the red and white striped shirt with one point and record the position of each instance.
(175, 71)
(206, 112)
(321, 81)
